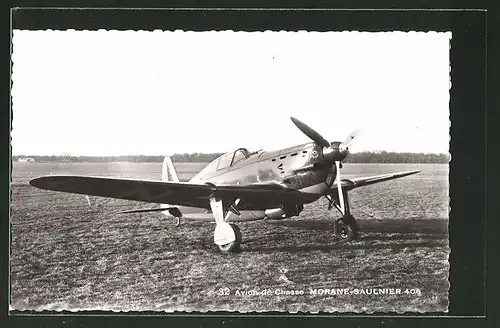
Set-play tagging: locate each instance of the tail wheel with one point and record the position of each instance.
(234, 246)
(345, 231)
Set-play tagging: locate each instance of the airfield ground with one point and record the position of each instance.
(70, 252)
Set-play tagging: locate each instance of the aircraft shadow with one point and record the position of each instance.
(430, 226)
(342, 246)
(406, 234)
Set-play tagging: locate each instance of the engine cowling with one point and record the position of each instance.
(283, 212)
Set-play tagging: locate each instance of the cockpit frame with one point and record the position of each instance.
(236, 156)
(243, 151)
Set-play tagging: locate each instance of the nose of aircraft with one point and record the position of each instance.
(343, 150)
(332, 152)
(336, 152)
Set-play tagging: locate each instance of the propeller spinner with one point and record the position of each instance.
(333, 152)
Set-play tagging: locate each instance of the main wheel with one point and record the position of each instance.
(234, 246)
(345, 231)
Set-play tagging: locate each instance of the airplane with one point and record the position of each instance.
(241, 186)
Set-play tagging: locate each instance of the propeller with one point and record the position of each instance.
(311, 133)
(333, 153)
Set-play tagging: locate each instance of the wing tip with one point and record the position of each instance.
(407, 173)
(35, 182)
(45, 182)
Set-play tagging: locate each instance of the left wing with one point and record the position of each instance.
(349, 184)
(173, 193)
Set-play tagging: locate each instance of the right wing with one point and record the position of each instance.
(173, 193)
(349, 184)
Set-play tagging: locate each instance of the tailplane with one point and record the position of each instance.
(168, 171)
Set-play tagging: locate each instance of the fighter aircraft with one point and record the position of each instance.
(241, 186)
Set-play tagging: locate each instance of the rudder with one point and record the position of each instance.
(168, 171)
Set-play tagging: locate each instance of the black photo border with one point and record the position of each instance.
(470, 60)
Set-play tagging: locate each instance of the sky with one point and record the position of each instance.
(106, 93)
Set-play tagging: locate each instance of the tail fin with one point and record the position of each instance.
(168, 172)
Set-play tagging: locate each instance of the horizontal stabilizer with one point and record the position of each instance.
(145, 210)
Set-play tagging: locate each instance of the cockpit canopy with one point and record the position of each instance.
(232, 158)
(225, 161)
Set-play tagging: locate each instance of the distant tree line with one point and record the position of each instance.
(392, 157)
(363, 157)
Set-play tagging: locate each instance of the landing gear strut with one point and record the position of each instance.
(346, 228)
(227, 236)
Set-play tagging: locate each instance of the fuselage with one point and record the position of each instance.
(241, 167)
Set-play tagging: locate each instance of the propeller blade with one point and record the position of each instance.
(311, 133)
(339, 188)
(351, 138)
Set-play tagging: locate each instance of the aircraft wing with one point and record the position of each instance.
(173, 193)
(349, 184)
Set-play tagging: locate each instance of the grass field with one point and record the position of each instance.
(70, 252)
